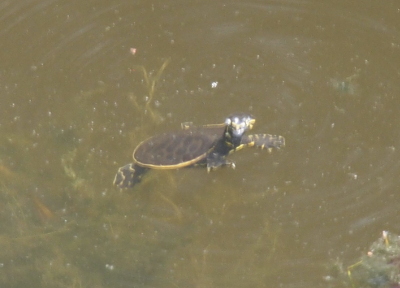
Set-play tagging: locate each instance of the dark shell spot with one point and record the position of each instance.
(197, 144)
(179, 153)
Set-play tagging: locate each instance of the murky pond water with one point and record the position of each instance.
(83, 82)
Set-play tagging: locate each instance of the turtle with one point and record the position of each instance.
(206, 145)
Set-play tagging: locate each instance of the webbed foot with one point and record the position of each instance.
(215, 161)
(263, 141)
(129, 175)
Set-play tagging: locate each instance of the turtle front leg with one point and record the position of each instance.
(263, 141)
(214, 161)
(129, 175)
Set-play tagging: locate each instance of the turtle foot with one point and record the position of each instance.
(129, 175)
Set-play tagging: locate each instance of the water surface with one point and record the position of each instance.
(82, 83)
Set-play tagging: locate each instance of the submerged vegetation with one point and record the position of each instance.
(58, 229)
(145, 107)
(377, 268)
(63, 224)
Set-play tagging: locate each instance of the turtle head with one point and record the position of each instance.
(236, 126)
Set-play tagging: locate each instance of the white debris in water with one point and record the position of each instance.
(109, 267)
(353, 176)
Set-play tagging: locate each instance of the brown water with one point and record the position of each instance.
(75, 102)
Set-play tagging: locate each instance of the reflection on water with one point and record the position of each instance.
(76, 101)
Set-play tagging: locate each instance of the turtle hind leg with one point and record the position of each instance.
(263, 141)
(129, 175)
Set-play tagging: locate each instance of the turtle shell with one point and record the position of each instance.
(178, 149)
